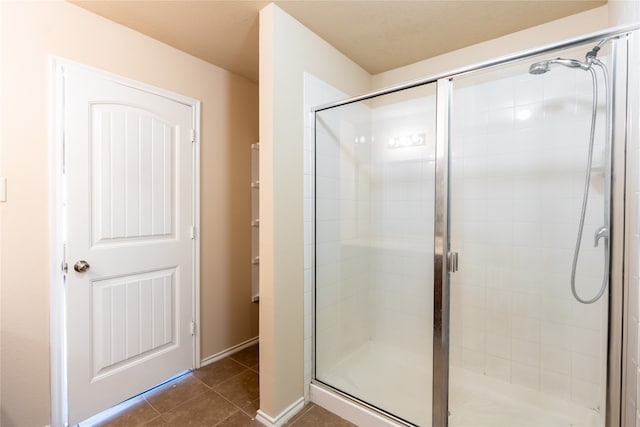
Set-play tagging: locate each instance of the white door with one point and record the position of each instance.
(129, 180)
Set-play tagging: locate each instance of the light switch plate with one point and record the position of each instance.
(3, 189)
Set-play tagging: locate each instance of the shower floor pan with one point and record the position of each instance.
(386, 378)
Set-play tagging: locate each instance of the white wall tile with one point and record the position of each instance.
(525, 352)
(586, 368)
(498, 367)
(585, 341)
(554, 360)
(498, 346)
(585, 393)
(473, 360)
(525, 376)
(517, 177)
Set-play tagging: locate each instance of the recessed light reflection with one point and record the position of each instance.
(363, 139)
(407, 141)
(524, 114)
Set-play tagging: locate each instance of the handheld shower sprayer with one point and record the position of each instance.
(544, 66)
(590, 64)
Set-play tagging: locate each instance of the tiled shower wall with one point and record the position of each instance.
(402, 218)
(519, 147)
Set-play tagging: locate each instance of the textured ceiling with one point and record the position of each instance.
(378, 35)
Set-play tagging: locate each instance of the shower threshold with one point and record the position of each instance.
(384, 377)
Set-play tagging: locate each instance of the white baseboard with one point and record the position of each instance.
(284, 416)
(348, 410)
(228, 352)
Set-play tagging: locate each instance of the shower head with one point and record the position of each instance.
(539, 67)
(544, 66)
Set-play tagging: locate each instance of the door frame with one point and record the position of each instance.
(58, 375)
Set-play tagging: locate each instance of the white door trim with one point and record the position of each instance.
(59, 415)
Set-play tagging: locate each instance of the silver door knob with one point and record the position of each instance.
(81, 266)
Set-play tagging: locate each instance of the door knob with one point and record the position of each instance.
(81, 266)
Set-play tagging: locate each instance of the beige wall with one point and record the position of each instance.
(287, 50)
(551, 32)
(29, 32)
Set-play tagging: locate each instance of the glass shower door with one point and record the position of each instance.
(523, 350)
(374, 195)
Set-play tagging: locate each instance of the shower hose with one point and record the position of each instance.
(604, 231)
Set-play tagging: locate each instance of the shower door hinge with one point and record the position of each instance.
(452, 262)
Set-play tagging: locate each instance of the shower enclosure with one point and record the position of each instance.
(465, 226)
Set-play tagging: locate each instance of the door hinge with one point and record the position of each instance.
(193, 328)
(192, 232)
(193, 135)
(452, 262)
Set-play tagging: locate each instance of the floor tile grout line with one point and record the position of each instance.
(297, 417)
(225, 419)
(150, 404)
(166, 385)
(306, 409)
(231, 378)
(146, 423)
(228, 379)
(243, 364)
(220, 394)
(253, 417)
(235, 405)
(230, 415)
(179, 405)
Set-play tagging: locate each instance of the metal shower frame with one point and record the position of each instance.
(618, 280)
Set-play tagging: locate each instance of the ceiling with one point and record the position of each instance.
(378, 35)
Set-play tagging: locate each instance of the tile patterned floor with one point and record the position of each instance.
(222, 394)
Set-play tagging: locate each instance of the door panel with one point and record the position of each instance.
(374, 195)
(520, 343)
(133, 179)
(133, 317)
(129, 208)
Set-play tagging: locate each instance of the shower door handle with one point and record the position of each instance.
(452, 262)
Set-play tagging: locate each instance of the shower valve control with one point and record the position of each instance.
(602, 232)
(452, 262)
